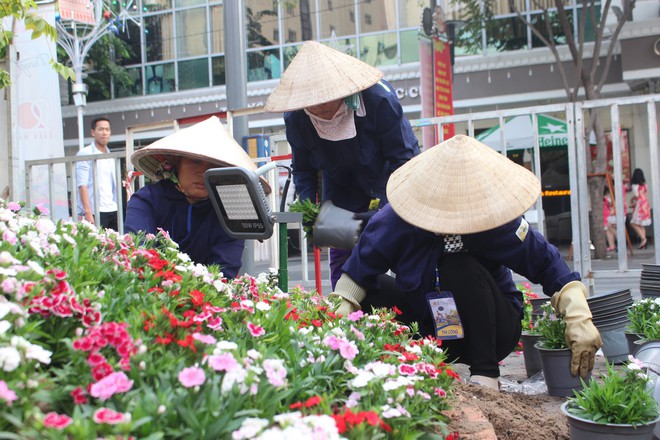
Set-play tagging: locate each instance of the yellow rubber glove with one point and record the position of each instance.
(581, 334)
(351, 293)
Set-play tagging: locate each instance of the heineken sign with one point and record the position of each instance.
(519, 133)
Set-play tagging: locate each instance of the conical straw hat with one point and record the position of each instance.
(207, 140)
(319, 74)
(461, 186)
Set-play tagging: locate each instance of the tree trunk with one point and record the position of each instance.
(596, 169)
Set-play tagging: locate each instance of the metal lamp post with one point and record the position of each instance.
(242, 209)
(79, 91)
(77, 38)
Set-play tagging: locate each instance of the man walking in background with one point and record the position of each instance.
(105, 175)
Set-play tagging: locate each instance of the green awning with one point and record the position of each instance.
(519, 133)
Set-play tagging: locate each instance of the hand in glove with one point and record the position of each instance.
(364, 217)
(581, 334)
(335, 227)
(351, 294)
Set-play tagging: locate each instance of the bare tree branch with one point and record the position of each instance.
(598, 42)
(575, 51)
(549, 44)
(628, 6)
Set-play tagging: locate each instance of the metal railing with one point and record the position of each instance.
(271, 245)
(578, 174)
(573, 113)
(72, 189)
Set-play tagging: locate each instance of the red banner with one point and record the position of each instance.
(444, 103)
(80, 11)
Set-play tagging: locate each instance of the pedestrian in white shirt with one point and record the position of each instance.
(105, 175)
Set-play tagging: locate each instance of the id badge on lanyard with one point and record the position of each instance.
(446, 319)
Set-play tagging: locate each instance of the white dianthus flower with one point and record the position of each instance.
(4, 326)
(263, 306)
(362, 379)
(10, 358)
(36, 267)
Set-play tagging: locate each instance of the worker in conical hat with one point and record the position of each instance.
(345, 122)
(178, 202)
(452, 233)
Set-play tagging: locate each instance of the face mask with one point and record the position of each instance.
(340, 127)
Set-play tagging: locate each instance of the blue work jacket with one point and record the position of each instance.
(389, 243)
(195, 228)
(354, 170)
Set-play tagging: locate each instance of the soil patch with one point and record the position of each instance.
(512, 415)
(522, 410)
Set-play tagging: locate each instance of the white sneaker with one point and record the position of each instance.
(484, 381)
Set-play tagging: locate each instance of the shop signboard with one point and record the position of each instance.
(519, 133)
(79, 11)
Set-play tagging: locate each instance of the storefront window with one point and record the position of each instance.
(160, 78)
(156, 5)
(503, 7)
(191, 33)
(185, 3)
(409, 46)
(346, 45)
(538, 21)
(589, 32)
(130, 34)
(379, 50)
(289, 53)
(337, 19)
(217, 30)
(218, 71)
(262, 21)
(299, 21)
(193, 74)
(159, 37)
(410, 13)
(99, 87)
(124, 91)
(264, 64)
(508, 33)
(377, 15)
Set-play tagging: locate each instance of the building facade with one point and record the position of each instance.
(177, 62)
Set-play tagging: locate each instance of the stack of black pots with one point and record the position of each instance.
(610, 316)
(649, 284)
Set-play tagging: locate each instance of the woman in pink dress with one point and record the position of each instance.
(610, 229)
(641, 217)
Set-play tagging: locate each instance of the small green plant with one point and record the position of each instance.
(310, 211)
(619, 397)
(644, 318)
(551, 326)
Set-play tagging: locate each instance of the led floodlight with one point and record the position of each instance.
(240, 202)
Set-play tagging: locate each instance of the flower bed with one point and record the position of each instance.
(117, 336)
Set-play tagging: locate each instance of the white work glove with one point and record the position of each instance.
(351, 295)
(581, 334)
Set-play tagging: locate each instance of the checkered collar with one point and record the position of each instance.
(453, 244)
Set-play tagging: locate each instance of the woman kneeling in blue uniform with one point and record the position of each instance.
(452, 233)
(179, 202)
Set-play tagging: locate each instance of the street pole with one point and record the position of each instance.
(78, 38)
(236, 74)
(79, 91)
